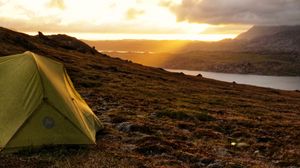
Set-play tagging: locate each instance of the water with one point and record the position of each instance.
(276, 82)
(126, 52)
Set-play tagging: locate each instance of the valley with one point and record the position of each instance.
(260, 50)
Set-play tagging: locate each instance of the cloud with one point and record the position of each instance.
(2, 2)
(39, 23)
(255, 12)
(133, 13)
(55, 24)
(103, 17)
(60, 4)
(226, 29)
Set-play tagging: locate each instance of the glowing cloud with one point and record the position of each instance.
(113, 19)
(133, 13)
(60, 4)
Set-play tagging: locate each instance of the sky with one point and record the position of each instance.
(207, 20)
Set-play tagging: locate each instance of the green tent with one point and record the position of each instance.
(39, 105)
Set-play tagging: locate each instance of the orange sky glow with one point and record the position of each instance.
(110, 20)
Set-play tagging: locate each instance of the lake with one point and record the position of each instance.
(276, 82)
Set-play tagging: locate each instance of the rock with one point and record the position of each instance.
(207, 161)
(186, 157)
(71, 43)
(201, 133)
(128, 147)
(239, 144)
(129, 127)
(41, 35)
(124, 126)
(118, 119)
(153, 149)
(263, 139)
(236, 165)
(199, 75)
(152, 115)
(203, 163)
(242, 145)
(199, 164)
(216, 165)
(239, 134)
(222, 152)
(186, 126)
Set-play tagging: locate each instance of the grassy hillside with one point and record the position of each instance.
(155, 118)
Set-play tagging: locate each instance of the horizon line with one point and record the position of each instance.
(152, 37)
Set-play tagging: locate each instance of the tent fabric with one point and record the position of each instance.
(40, 106)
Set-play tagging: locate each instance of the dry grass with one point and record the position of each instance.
(154, 118)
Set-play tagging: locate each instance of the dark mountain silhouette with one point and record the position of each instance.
(279, 39)
(261, 31)
(21, 42)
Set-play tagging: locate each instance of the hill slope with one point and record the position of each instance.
(261, 31)
(280, 39)
(265, 50)
(154, 118)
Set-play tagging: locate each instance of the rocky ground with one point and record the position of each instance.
(155, 118)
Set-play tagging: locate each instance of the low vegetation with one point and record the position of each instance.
(155, 118)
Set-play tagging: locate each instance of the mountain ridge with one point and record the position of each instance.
(22, 42)
(259, 31)
(285, 39)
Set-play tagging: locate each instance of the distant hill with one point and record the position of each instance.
(271, 39)
(263, 31)
(265, 50)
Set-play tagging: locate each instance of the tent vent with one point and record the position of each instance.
(48, 122)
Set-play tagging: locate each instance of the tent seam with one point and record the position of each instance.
(38, 68)
(44, 93)
(74, 102)
(18, 129)
(22, 125)
(56, 109)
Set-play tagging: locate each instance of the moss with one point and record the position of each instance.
(203, 116)
(178, 115)
(185, 115)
